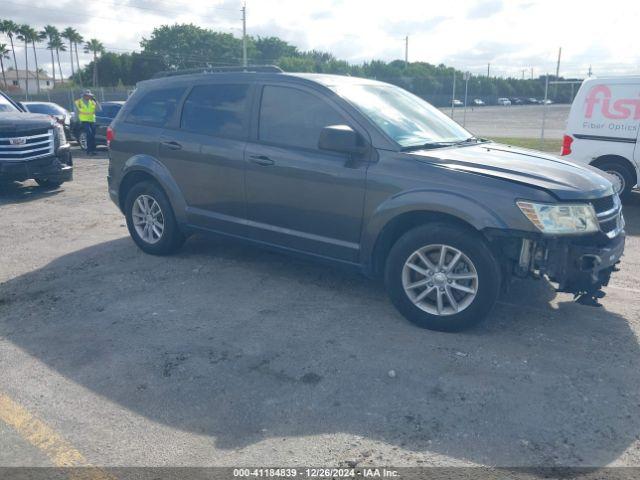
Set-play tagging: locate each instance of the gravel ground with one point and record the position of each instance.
(229, 355)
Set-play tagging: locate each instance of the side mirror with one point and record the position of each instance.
(341, 138)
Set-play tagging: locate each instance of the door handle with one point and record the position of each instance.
(261, 160)
(172, 145)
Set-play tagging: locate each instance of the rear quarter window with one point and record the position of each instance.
(156, 107)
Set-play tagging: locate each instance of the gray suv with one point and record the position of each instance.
(364, 174)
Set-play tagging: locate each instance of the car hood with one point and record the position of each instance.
(18, 122)
(563, 179)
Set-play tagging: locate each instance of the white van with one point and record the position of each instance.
(603, 125)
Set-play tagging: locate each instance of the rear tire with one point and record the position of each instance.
(44, 183)
(150, 220)
(468, 284)
(623, 173)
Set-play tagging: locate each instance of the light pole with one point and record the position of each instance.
(453, 93)
(244, 35)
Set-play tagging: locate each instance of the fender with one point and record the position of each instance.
(160, 173)
(433, 200)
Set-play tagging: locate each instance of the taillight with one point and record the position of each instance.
(110, 136)
(566, 145)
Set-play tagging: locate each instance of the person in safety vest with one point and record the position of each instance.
(86, 108)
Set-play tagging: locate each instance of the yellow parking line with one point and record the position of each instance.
(40, 435)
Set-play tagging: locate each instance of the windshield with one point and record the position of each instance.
(6, 105)
(47, 108)
(407, 119)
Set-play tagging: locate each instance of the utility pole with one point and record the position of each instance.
(523, 70)
(488, 69)
(555, 90)
(244, 35)
(558, 64)
(531, 73)
(590, 73)
(406, 51)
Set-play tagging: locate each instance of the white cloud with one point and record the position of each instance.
(513, 35)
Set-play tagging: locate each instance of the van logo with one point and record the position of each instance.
(18, 141)
(620, 109)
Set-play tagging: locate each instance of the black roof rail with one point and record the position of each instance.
(248, 68)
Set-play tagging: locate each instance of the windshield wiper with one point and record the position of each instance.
(472, 140)
(427, 146)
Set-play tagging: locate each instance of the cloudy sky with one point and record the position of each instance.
(513, 35)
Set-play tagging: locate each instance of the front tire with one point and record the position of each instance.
(151, 221)
(442, 277)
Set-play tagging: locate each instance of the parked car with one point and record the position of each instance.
(516, 101)
(478, 102)
(103, 119)
(364, 174)
(32, 146)
(457, 103)
(532, 101)
(548, 101)
(504, 101)
(49, 108)
(602, 128)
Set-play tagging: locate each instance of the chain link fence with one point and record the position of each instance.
(66, 96)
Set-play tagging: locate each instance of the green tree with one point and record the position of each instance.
(95, 47)
(10, 28)
(4, 55)
(59, 46)
(68, 34)
(271, 50)
(49, 32)
(189, 46)
(25, 33)
(77, 40)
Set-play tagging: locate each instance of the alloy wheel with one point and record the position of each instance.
(440, 279)
(148, 219)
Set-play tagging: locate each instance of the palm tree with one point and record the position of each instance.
(10, 28)
(70, 33)
(35, 37)
(28, 34)
(50, 33)
(23, 36)
(4, 54)
(59, 45)
(77, 39)
(94, 46)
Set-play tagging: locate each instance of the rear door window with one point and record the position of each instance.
(292, 117)
(156, 107)
(217, 110)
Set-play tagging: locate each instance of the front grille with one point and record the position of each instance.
(609, 213)
(603, 204)
(19, 147)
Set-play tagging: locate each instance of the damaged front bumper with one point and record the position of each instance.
(580, 265)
